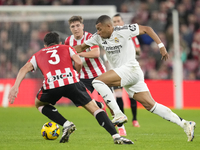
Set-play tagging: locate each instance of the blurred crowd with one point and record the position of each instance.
(20, 40)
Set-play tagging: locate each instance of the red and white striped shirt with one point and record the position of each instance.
(56, 66)
(92, 67)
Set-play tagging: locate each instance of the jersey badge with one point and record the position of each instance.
(116, 40)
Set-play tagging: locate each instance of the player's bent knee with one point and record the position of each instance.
(96, 82)
(149, 106)
(38, 103)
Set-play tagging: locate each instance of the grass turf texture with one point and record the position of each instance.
(20, 130)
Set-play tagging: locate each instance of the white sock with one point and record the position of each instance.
(115, 136)
(107, 95)
(40, 108)
(167, 114)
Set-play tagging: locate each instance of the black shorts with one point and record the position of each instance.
(117, 87)
(76, 92)
(88, 84)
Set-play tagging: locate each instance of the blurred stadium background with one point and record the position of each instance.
(23, 24)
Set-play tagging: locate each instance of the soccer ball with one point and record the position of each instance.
(50, 131)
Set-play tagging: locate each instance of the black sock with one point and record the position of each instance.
(120, 125)
(105, 122)
(53, 114)
(98, 104)
(181, 118)
(134, 108)
(120, 103)
(121, 106)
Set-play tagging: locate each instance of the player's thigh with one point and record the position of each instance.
(111, 78)
(118, 91)
(145, 99)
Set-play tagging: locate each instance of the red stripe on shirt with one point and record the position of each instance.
(88, 36)
(75, 42)
(99, 65)
(85, 73)
(67, 40)
(39, 94)
(96, 46)
(87, 60)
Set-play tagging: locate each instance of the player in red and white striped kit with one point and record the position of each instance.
(60, 79)
(92, 64)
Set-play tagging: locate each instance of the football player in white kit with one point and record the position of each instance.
(126, 72)
(118, 21)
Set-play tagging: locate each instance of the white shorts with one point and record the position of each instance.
(132, 79)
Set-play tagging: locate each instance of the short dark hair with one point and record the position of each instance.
(51, 38)
(117, 15)
(103, 19)
(75, 18)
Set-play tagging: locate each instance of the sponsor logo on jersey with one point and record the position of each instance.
(116, 40)
(58, 77)
(113, 49)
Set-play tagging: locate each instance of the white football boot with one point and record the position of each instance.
(119, 118)
(189, 127)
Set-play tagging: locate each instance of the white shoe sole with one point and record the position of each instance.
(192, 126)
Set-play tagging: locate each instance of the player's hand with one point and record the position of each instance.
(164, 53)
(12, 94)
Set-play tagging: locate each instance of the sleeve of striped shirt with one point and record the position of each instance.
(32, 60)
(72, 51)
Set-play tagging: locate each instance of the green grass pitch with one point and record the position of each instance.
(20, 130)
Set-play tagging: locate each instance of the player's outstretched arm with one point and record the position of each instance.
(80, 48)
(20, 76)
(148, 30)
(94, 53)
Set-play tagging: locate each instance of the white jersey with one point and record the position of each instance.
(119, 47)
